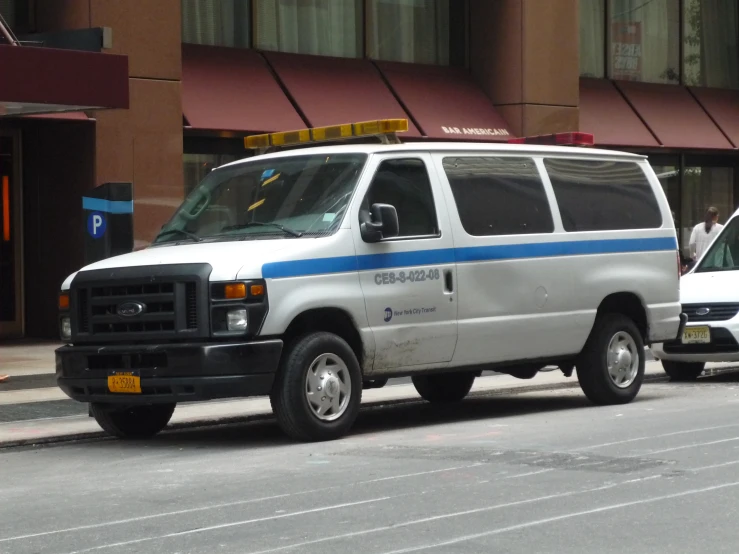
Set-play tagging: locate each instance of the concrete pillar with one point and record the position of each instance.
(143, 144)
(525, 55)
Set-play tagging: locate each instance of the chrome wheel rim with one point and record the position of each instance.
(623, 359)
(328, 387)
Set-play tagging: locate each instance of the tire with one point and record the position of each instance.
(326, 356)
(592, 365)
(682, 371)
(132, 422)
(444, 388)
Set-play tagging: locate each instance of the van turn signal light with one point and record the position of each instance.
(256, 290)
(332, 132)
(64, 301)
(234, 291)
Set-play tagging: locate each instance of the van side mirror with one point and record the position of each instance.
(382, 223)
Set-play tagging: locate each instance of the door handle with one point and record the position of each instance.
(448, 280)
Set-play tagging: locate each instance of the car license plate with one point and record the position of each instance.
(696, 335)
(126, 382)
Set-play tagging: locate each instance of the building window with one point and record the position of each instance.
(592, 38)
(667, 170)
(319, 27)
(415, 31)
(710, 43)
(7, 11)
(197, 166)
(217, 22)
(704, 187)
(645, 40)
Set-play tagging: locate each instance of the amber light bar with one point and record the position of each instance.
(332, 132)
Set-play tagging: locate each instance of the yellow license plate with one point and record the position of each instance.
(125, 382)
(696, 335)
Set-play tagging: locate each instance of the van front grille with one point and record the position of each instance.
(141, 303)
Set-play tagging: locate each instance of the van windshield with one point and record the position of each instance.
(288, 197)
(723, 254)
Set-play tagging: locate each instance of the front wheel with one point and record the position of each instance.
(132, 422)
(610, 368)
(318, 390)
(444, 387)
(682, 371)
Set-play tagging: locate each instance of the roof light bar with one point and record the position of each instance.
(333, 132)
(557, 139)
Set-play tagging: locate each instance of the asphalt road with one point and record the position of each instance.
(527, 472)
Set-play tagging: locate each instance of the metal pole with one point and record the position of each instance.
(6, 33)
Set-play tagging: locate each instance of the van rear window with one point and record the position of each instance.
(596, 195)
(499, 196)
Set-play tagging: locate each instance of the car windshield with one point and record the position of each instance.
(290, 197)
(723, 255)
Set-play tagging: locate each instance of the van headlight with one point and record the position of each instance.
(237, 308)
(236, 320)
(65, 328)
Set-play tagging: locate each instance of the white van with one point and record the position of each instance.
(710, 299)
(310, 273)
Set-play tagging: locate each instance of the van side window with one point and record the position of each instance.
(405, 184)
(499, 196)
(596, 195)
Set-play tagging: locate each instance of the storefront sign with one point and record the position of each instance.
(626, 51)
(475, 131)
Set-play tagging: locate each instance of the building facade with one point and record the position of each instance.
(658, 77)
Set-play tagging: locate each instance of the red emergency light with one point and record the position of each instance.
(557, 139)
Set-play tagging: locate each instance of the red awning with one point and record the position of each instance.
(332, 91)
(47, 80)
(605, 113)
(674, 116)
(723, 107)
(445, 102)
(232, 89)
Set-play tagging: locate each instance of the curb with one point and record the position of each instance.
(236, 419)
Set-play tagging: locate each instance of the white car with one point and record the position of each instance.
(307, 273)
(709, 294)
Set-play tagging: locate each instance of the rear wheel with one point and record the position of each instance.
(132, 422)
(610, 368)
(318, 390)
(444, 387)
(682, 371)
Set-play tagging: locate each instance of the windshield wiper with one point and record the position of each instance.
(182, 232)
(282, 228)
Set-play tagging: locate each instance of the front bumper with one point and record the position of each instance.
(724, 345)
(170, 372)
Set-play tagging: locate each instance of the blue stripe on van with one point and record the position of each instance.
(344, 264)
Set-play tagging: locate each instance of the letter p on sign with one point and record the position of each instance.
(96, 225)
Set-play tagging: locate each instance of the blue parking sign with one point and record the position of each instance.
(96, 224)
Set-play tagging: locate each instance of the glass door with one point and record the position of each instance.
(11, 278)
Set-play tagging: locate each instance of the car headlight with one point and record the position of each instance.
(65, 328)
(236, 319)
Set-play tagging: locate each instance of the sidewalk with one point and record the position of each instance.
(26, 357)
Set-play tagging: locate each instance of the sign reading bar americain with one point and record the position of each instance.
(475, 131)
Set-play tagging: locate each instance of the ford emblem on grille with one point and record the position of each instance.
(703, 311)
(130, 309)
